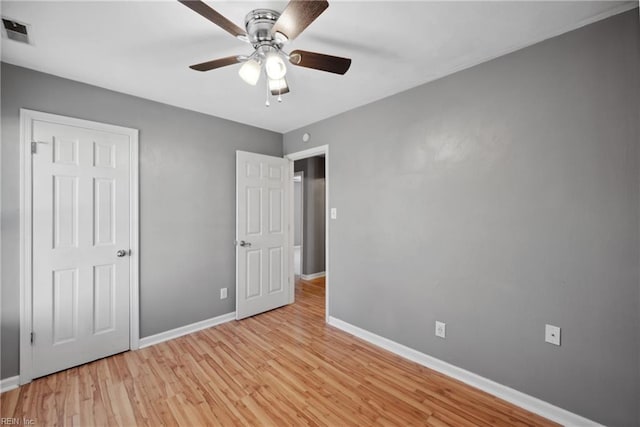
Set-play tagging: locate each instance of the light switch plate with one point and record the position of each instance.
(223, 293)
(441, 329)
(552, 334)
(334, 213)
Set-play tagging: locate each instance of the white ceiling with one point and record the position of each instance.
(144, 48)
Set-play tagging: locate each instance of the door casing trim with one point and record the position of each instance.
(26, 238)
(293, 222)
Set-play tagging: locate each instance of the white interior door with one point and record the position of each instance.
(81, 208)
(262, 233)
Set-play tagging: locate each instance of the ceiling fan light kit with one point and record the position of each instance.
(268, 31)
(250, 71)
(274, 67)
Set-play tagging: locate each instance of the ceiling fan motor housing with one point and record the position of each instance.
(258, 23)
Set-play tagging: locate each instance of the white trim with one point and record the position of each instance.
(291, 224)
(515, 397)
(299, 155)
(26, 367)
(310, 152)
(134, 243)
(26, 219)
(313, 275)
(186, 330)
(299, 175)
(9, 383)
(291, 273)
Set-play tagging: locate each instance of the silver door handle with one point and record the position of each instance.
(244, 244)
(121, 253)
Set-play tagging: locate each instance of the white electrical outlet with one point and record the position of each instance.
(441, 329)
(552, 334)
(334, 213)
(223, 293)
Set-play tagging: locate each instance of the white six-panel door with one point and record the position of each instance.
(81, 219)
(262, 233)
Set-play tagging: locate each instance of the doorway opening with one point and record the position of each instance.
(309, 242)
(298, 221)
(309, 216)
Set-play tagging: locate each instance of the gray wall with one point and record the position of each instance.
(313, 224)
(187, 198)
(498, 199)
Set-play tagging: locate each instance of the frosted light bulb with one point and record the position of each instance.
(274, 66)
(250, 72)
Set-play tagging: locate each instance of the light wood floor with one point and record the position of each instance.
(284, 367)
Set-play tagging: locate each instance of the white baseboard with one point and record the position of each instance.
(520, 399)
(185, 330)
(9, 383)
(313, 275)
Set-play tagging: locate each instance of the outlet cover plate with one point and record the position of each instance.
(552, 334)
(223, 293)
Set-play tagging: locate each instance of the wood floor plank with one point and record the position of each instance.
(284, 367)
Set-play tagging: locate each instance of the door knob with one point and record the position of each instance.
(244, 244)
(121, 253)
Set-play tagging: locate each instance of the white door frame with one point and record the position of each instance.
(26, 238)
(299, 155)
(301, 175)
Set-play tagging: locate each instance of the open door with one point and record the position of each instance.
(262, 233)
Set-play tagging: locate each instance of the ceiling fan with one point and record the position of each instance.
(268, 32)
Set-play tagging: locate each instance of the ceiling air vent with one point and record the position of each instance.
(15, 30)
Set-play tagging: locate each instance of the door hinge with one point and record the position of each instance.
(34, 146)
(33, 337)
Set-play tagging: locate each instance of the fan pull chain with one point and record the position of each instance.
(267, 103)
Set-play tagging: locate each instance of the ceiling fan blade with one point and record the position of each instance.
(213, 16)
(216, 63)
(319, 61)
(297, 16)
